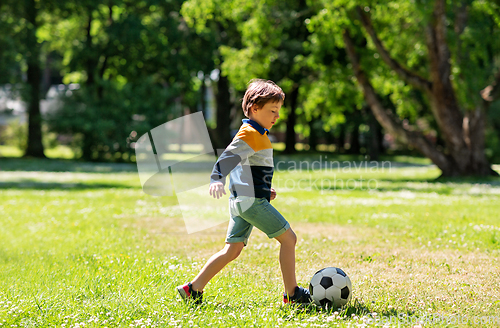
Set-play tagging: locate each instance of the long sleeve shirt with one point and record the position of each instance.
(248, 160)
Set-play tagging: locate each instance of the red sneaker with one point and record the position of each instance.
(189, 295)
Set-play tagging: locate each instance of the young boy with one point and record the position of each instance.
(251, 192)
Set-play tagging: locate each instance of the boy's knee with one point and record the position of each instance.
(288, 237)
(234, 250)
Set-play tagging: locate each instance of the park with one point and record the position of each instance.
(386, 160)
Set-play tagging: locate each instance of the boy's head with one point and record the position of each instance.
(260, 92)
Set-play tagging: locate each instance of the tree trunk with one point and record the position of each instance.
(355, 147)
(313, 134)
(46, 75)
(291, 121)
(35, 146)
(203, 100)
(489, 94)
(374, 137)
(340, 140)
(463, 134)
(392, 124)
(91, 63)
(223, 116)
(87, 150)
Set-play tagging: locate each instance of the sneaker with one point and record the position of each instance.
(188, 294)
(300, 296)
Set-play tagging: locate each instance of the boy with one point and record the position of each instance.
(251, 192)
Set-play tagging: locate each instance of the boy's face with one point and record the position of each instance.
(267, 115)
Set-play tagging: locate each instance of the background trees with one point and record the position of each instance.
(460, 120)
(20, 21)
(426, 73)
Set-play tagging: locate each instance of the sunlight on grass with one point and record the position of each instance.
(60, 151)
(10, 151)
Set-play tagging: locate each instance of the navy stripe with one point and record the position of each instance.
(226, 163)
(256, 126)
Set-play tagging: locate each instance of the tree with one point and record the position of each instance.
(25, 16)
(450, 78)
(274, 34)
(216, 22)
(34, 144)
(136, 63)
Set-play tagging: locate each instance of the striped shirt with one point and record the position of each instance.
(249, 161)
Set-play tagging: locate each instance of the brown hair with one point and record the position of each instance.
(259, 92)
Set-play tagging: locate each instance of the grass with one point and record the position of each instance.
(82, 246)
(60, 151)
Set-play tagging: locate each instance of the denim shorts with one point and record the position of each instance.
(247, 212)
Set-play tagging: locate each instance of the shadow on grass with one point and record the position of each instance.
(62, 165)
(352, 311)
(442, 186)
(37, 185)
(446, 180)
(355, 311)
(359, 308)
(284, 162)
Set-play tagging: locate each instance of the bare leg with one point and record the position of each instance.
(216, 263)
(288, 240)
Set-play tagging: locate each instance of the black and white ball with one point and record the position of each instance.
(330, 288)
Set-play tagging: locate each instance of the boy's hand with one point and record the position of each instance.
(273, 193)
(216, 189)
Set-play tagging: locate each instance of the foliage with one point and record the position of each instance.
(175, 45)
(14, 134)
(135, 63)
(401, 26)
(9, 58)
(115, 121)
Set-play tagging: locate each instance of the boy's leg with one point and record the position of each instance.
(266, 218)
(288, 240)
(216, 263)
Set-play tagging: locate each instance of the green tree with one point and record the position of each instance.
(406, 46)
(10, 27)
(274, 34)
(217, 22)
(136, 67)
(22, 21)
(329, 95)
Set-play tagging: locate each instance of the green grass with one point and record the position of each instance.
(82, 245)
(10, 151)
(62, 152)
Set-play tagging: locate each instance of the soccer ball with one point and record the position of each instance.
(330, 288)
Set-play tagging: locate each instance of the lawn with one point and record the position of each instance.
(82, 246)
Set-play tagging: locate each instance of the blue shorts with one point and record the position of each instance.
(247, 212)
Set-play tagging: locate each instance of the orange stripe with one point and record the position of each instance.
(253, 138)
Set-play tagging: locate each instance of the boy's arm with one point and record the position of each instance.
(230, 158)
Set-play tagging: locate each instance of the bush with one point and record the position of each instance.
(104, 127)
(14, 134)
